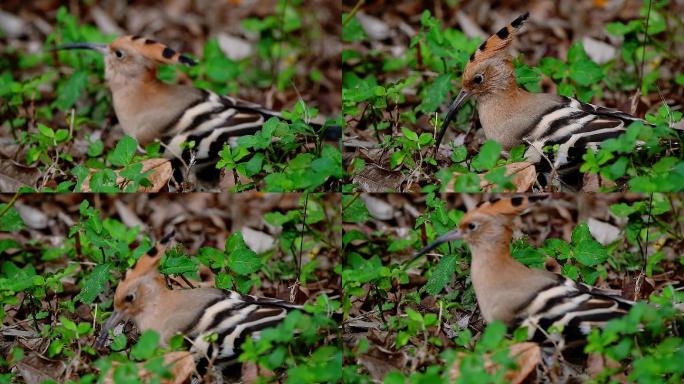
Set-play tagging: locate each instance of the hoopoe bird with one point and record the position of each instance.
(511, 116)
(508, 291)
(197, 313)
(149, 109)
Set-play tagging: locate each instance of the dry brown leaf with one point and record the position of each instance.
(592, 183)
(523, 175)
(596, 363)
(376, 179)
(182, 366)
(160, 175)
(527, 355)
(14, 176)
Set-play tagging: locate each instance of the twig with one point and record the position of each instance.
(353, 12)
(643, 51)
(10, 204)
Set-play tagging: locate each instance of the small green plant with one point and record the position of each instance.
(54, 289)
(376, 84)
(69, 103)
(416, 302)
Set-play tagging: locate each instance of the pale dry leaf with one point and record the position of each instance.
(374, 27)
(376, 179)
(161, 172)
(598, 51)
(257, 241)
(32, 217)
(14, 176)
(128, 216)
(603, 232)
(469, 26)
(378, 208)
(234, 47)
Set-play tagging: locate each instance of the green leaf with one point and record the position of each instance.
(443, 273)
(492, 336)
(586, 250)
(435, 94)
(459, 154)
(355, 211)
(352, 30)
(94, 284)
(46, 131)
(144, 348)
(123, 152)
(71, 90)
(585, 72)
(244, 261)
(409, 134)
(489, 154)
(10, 221)
(95, 148)
(241, 259)
(178, 266)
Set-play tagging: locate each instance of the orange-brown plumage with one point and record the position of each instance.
(144, 297)
(151, 49)
(515, 294)
(149, 109)
(511, 115)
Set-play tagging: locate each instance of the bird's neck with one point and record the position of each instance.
(499, 114)
(141, 105)
(494, 270)
(155, 306)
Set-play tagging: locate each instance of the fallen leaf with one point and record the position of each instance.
(257, 241)
(604, 233)
(32, 217)
(161, 172)
(234, 47)
(378, 208)
(598, 51)
(374, 27)
(592, 183)
(376, 179)
(14, 176)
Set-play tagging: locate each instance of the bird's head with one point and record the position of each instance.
(133, 57)
(139, 286)
(487, 224)
(489, 70)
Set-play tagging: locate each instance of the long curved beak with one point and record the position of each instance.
(113, 321)
(456, 234)
(453, 108)
(102, 48)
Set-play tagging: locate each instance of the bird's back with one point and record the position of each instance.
(233, 318)
(572, 309)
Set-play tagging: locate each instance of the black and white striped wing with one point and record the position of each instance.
(573, 126)
(210, 122)
(233, 319)
(572, 308)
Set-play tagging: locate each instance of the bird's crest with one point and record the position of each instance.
(510, 206)
(152, 50)
(150, 261)
(499, 41)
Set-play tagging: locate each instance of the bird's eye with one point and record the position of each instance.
(478, 79)
(119, 53)
(472, 226)
(129, 297)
